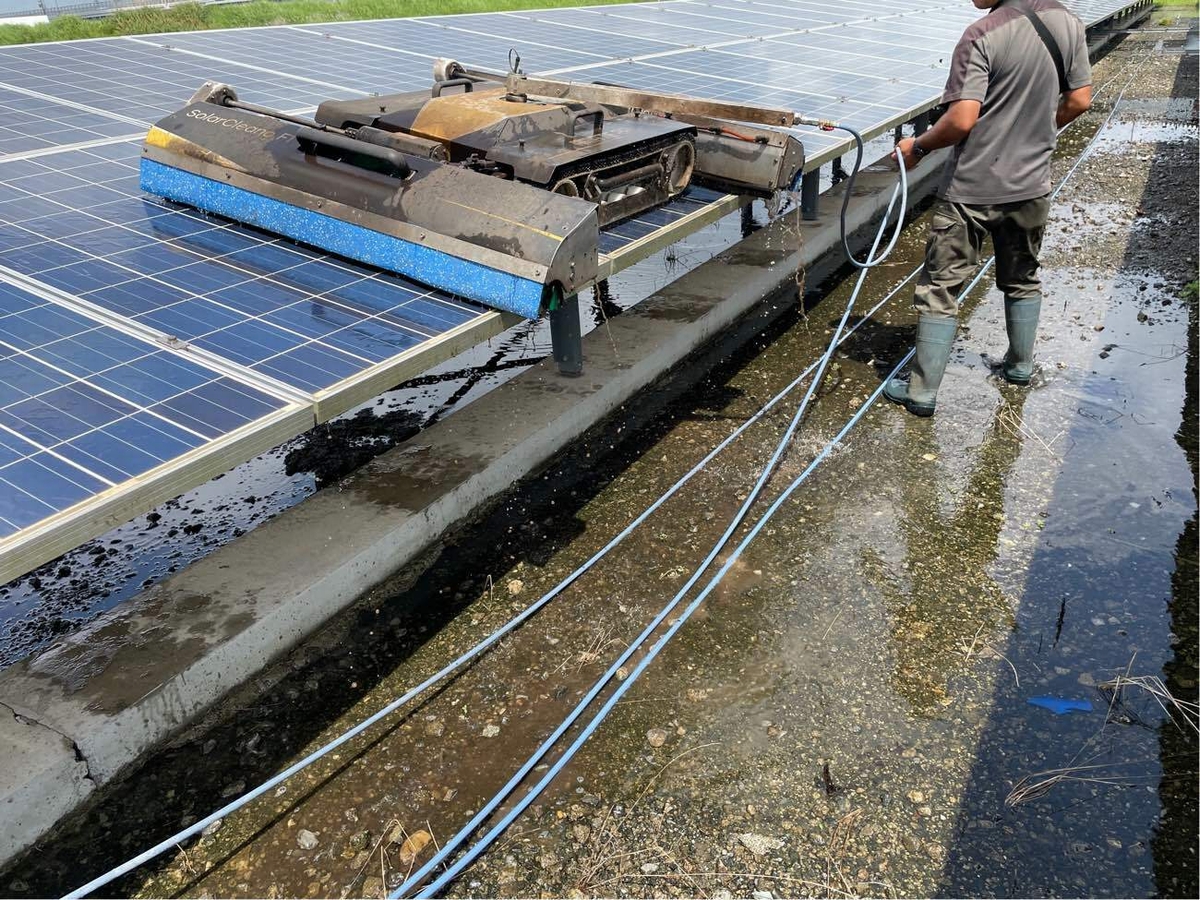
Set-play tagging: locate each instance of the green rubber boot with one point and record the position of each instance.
(1021, 319)
(935, 336)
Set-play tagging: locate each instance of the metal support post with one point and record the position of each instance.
(566, 341)
(898, 135)
(839, 173)
(749, 226)
(921, 124)
(810, 195)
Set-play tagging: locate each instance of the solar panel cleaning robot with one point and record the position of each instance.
(491, 186)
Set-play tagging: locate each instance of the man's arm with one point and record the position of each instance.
(953, 126)
(1077, 98)
(1073, 105)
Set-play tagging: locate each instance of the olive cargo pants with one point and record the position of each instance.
(956, 238)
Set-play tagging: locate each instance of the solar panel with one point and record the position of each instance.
(644, 224)
(423, 41)
(33, 124)
(90, 415)
(571, 33)
(292, 49)
(140, 81)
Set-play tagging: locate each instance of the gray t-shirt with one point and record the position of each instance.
(1001, 62)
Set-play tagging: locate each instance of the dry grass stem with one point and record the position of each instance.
(188, 865)
(1039, 784)
(596, 647)
(378, 848)
(994, 652)
(968, 650)
(597, 860)
(818, 886)
(1183, 713)
(1012, 422)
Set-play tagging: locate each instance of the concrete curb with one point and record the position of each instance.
(100, 699)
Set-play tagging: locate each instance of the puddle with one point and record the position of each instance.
(1119, 134)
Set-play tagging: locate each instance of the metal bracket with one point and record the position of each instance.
(566, 339)
(921, 124)
(749, 226)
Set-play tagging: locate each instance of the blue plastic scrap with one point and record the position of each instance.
(1061, 705)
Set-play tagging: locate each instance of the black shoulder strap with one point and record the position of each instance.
(1048, 39)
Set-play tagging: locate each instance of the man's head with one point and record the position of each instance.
(985, 4)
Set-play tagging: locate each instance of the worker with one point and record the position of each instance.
(1017, 76)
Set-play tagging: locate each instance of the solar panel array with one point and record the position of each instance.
(144, 347)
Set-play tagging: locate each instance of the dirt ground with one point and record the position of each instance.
(849, 713)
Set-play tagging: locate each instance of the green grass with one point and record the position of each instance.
(1181, 5)
(195, 17)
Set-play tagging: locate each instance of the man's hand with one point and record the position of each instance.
(952, 127)
(906, 148)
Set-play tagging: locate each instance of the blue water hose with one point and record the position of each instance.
(871, 260)
(465, 832)
(860, 150)
(467, 858)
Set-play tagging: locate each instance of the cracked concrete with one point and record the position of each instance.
(45, 776)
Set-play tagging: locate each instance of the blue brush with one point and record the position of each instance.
(444, 271)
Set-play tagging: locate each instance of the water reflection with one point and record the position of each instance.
(943, 604)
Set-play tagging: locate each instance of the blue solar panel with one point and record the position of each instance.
(140, 81)
(680, 23)
(624, 233)
(420, 42)
(31, 124)
(587, 44)
(600, 22)
(836, 57)
(348, 68)
(815, 89)
(78, 223)
(680, 77)
(84, 407)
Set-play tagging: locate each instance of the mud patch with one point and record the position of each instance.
(333, 450)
